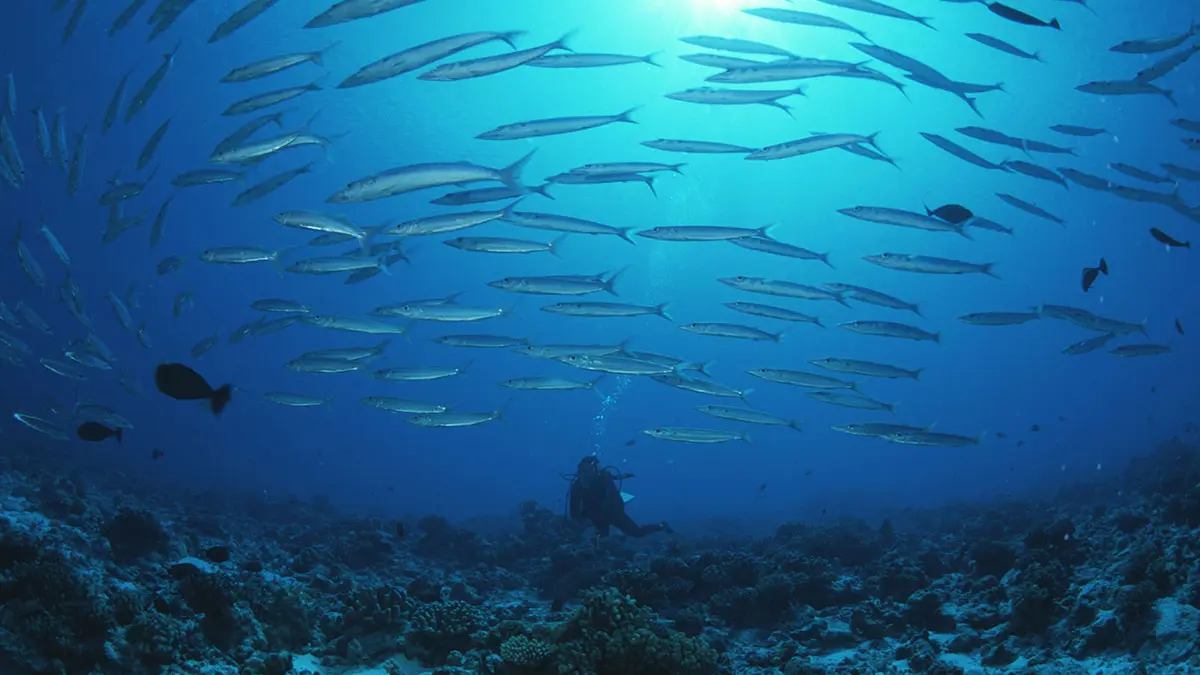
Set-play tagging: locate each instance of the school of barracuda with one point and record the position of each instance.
(742, 72)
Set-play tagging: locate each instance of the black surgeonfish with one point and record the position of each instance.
(96, 432)
(184, 384)
(1017, 16)
(1090, 274)
(1168, 239)
(955, 214)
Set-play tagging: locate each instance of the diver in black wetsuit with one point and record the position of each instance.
(594, 498)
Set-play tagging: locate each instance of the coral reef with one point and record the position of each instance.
(107, 581)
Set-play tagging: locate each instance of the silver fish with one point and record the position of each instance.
(890, 329)
(799, 378)
(491, 65)
(142, 97)
(554, 126)
(857, 401)
(296, 400)
(695, 147)
(240, 18)
(276, 64)
(424, 54)
(737, 45)
(353, 10)
(421, 176)
(453, 419)
(607, 309)
(260, 101)
(925, 264)
(867, 368)
(690, 435)
(779, 248)
(748, 416)
(999, 318)
(770, 311)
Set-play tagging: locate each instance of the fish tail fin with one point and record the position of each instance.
(677, 168)
(765, 230)
(917, 373)
(891, 407)
(971, 102)
(221, 398)
(383, 344)
(702, 368)
(817, 320)
(841, 299)
(318, 57)
(824, 257)
(627, 115)
(564, 42)
(1104, 266)
(511, 174)
(624, 234)
(553, 246)
(650, 184)
(745, 438)
(543, 190)
(924, 21)
(650, 59)
(507, 212)
(987, 269)
(119, 434)
(963, 232)
(978, 440)
(509, 37)
(661, 310)
(382, 263)
(744, 395)
(1170, 97)
(937, 338)
(795, 424)
(595, 381)
(871, 140)
(610, 284)
(1055, 24)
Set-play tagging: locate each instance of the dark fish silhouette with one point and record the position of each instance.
(156, 454)
(94, 431)
(1090, 274)
(630, 443)
(1168, 239)
(184, 384)
(1001, 434)
(217, 554)
(762, 488)
(951, 213)
(400, 532)
(1179, 327)
(1035, 428)
(1017, 16)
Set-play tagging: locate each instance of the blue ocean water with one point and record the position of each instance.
(1093, 411)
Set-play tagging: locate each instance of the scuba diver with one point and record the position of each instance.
(595, 499)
